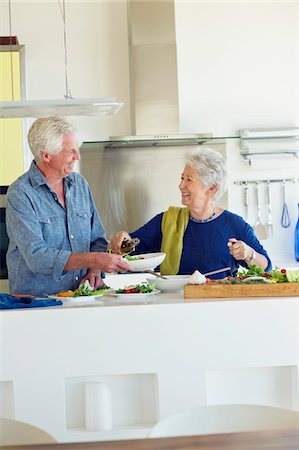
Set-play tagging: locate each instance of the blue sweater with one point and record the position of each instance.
(204, 244)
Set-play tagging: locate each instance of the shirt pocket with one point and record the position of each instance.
(83, 224)
(53, 230)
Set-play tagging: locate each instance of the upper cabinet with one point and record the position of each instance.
(11, 133)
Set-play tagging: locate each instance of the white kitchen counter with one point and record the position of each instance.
(156, 358)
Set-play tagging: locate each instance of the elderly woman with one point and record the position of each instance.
(200, 236)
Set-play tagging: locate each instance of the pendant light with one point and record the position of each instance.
(68, 106)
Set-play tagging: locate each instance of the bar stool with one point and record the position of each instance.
(213, 419)
(14, 432)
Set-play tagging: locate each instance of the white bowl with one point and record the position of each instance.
(149, 261)
(171, 284)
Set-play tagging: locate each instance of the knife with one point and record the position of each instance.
(217, 271)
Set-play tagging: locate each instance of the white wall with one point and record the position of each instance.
(97, 48)
(238, 67)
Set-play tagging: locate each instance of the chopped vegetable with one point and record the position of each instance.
(66, 294)
(101, 290)
(83, 290)
(255, 274)
(143, 288)
(133, 258)
(292, 275)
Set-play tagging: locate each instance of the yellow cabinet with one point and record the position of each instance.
(11, 132)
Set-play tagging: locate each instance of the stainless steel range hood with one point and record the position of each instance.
(158, 140)
(153, 78)
(153, 68)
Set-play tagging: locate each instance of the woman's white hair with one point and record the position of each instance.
(46, 135)
(210, 167)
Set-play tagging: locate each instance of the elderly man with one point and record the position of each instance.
(56, 237)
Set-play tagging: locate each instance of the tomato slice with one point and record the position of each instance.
(132, 291)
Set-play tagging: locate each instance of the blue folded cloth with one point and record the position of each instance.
(8, 301)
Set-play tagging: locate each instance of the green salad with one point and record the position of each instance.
(86, 290)
(142, 288)
(133, 258)
(255, 274)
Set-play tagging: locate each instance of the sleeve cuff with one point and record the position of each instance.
(61, 260)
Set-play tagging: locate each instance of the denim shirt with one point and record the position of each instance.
(43, 234)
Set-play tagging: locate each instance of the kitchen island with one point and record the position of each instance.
(158, 356)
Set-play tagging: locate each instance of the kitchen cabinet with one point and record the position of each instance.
(11, 130)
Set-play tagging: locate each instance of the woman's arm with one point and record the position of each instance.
(150, 236)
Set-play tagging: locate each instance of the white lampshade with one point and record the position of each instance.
(65, 107)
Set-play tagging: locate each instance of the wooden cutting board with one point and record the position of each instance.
(242, 291)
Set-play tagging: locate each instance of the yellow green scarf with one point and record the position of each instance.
(174, 224)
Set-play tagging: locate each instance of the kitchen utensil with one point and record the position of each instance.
(246, 193)
(269, 224)
(259, 228)
(285, 217)
(152, 272)
(224, 269)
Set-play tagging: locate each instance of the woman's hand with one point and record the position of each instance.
(117, 239)
(239, 250)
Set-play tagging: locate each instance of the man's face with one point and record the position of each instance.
(63, 162)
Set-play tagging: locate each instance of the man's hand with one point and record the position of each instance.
(94, 278)
(109, 262)
(97, 261)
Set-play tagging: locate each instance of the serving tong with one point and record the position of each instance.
(213, 272)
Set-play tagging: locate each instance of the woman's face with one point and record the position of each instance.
(194, 193)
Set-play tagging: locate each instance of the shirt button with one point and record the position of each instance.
(76, 278)
(72, 237)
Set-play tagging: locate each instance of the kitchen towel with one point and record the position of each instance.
(8, 301)
(98, 406)
(174, 224)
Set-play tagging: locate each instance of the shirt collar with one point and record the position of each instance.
(37, 178)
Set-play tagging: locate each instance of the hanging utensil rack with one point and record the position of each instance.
(276, 180)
